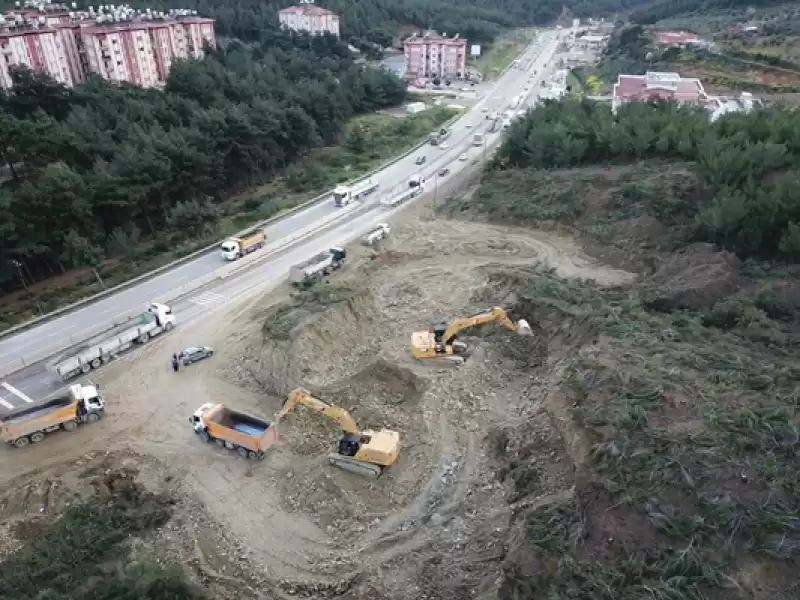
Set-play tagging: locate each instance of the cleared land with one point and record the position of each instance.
(643, 443)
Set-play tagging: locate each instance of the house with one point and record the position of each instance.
(672, 87)
(674, 39)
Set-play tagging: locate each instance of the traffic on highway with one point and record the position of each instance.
(34, 383)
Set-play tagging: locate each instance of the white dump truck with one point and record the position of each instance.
(344, 194)
(376, 234)
(99, 351)
(416, 187)
(316, 267)
(237, 247)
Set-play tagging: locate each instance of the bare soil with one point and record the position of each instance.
(291, 525)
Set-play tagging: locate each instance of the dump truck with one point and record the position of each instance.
(237, 247)
(318, 266)
(250, 436)
(155, 320)
(376, 234)
(344, 194)
(82, 404)
(416, 187)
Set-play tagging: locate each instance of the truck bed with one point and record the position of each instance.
(252, 426)
(25, 414)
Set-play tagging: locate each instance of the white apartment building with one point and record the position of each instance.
(310, 18)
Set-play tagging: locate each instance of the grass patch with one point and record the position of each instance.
(694, 470)
(368, 142)
(281, 320)
(85, 554)
(503, 51)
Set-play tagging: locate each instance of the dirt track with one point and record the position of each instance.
(296, 525)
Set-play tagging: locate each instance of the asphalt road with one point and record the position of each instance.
(33, 384)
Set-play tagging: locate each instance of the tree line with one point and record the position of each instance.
(750, 162)
(90, 169)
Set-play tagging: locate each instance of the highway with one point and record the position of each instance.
(32, 384)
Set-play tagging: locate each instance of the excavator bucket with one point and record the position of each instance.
(524, 328)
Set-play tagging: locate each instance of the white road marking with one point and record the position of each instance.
(8, 405)
(209, 299)
(17, 392)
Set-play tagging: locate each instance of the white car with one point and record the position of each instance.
(468, 125)
(485, 109)
(463, 157)
(444, 146)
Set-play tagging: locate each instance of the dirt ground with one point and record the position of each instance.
(434, 525)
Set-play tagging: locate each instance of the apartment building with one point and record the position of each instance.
(683, 90)
(130, 46)
(431, 56)
(310, 18)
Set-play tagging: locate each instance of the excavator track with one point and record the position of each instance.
(355, 466)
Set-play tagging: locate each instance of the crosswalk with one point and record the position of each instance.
(12, 397)
(209, 299)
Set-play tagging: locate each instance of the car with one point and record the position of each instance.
(485, 109)
(468, 125)
(420, 160)
(194, 353)
(444, 146)
(443, 172)
(463, 157)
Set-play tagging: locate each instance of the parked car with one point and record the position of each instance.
(194, 353)
(444, 172)
(420, 160)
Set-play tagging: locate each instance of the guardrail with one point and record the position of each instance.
(184, 259)
(224, 272)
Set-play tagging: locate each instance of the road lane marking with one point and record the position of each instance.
(8, 405)
(208, 299)
(17, 392)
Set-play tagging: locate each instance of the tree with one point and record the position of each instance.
(194, 218)
(80, 252)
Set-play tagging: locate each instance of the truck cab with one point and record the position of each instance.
(90, 402)
(341, 195)
(229, 250)
(162, 313)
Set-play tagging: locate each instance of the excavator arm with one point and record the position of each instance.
(494, 314)
(303, 397)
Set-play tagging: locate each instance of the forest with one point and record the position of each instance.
(750, 163)
(92, 168)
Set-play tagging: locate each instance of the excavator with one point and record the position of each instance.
(365, 453)
(440, 341)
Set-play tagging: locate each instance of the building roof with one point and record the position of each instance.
(665, 86)
(309, 10)
(435, 39)
(662, 38)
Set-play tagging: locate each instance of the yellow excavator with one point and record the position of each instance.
(365, 453)
(441, 341)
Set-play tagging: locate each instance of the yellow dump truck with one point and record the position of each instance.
(250, 436)
(234, 248)
(83, 404)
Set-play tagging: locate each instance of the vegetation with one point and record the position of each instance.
(84, 554)
(683, 388)
(504, 50)
(749, 162)
(692, 474)
(281, 320)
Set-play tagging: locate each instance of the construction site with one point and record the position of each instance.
(482, 445)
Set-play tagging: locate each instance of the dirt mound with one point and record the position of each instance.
(322, 349)
(694, 278)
